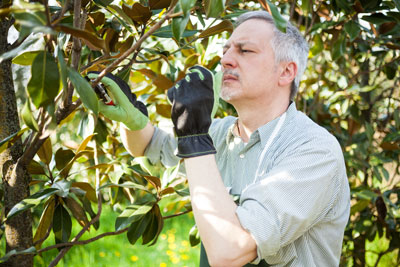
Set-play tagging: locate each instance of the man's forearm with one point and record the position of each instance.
(136, 142)
(224, 239)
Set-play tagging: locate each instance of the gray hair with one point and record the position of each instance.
(289, 46)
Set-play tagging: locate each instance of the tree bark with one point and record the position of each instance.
(15, 178)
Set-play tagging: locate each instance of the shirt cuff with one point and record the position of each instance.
(256, 221)
(161, 148)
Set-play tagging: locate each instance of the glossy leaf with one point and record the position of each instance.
(88, 188)
(77, 211)
(26, 59)
(14, 52)
(62, 224)
(137, 228)
(63, 187)
(88, 208)
(31, 201)
(44, 223)
(160, 223)
(45, 152)
(93, 41)
(280, 22)
(194, 237)
(352, 29)
(186, 6)
(166, 32)
(178, 26)
(8, 141)
(62, 67)
(34, 167)
(138, 13)
(132, 214)
(159, 4)
(14, 252)
(62, 157)
(85, 90)
(225, 25)
(27, 116)
(214, 8)
(45, 80)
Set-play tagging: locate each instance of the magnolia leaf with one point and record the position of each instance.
(27, 116)
(88, 208)
(164, 110)
(91, 39)
(44, 223)
(62, 157)
(155, 181)
(214, 8)
(132, 214)
(45, 152)
(179, 25)
(31, 250)
(34, 167)
(62, 224)
(63, 67)
(167, 191)
(160, 223)
(44, 84)
(159, 4)
(280, 22)
(352, 29)
(194, 236)
(14, 52)
(121, 13)
(186, 6)
(166, 32)
(137, 12)
(225, 25)
(63, 187)
(31, 201)
(8, 141)
(318, 46)
(26, 59)
(85, 91)
(137, 228)
(84, 144)
(77, 211)
(88, 188)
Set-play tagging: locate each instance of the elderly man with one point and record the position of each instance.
(288, 171)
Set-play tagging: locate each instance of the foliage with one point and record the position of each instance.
(76, 159)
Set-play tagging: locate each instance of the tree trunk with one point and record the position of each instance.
(15, 178)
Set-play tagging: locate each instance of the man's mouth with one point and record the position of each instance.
(230, 77)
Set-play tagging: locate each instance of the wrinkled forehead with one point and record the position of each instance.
(255, 31)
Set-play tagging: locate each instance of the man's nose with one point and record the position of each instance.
(228, 59)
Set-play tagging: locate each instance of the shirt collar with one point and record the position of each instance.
(265, 131)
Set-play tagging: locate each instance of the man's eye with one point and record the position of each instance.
(245, 51)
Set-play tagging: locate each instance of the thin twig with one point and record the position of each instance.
(176, 215)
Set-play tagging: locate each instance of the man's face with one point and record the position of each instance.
(248, 63)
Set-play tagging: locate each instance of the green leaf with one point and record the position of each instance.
(359, 206)
(339, 48)
(179, 25)
(352, 29)
(225, 25)
(62, 224)
(88, 208)
(280, 22)
(62, 187)
(45, 152)
(63, 67)
(62, 157)
(44, 223)
(77, 211)
(200, 18)
(166, 32)
(6, 142)
(26, 59)
(377, 18)
(318, 45)
(103, 3)
(44, 84)
(137, 228)
(34, 167)
(214, 8)
(31, 250)
(194, 236)
(186, 6)
(27, 116)
(390, 70)
(366, 194)
(14, 52)
(132, 214)
(32, 201)
(85, 91)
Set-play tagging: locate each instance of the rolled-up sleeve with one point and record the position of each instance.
(162, 148)
(294, 195)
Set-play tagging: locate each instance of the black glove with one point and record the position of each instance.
(192, 101)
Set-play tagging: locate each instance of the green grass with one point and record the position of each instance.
(171, 249)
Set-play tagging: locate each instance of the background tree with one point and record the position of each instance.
(70, 161)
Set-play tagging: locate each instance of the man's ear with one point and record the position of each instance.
(287, 74)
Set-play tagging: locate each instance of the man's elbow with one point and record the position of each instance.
(231, 258)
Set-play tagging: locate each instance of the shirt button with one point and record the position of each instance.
(241, 156)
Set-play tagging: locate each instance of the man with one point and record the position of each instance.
(289, 172)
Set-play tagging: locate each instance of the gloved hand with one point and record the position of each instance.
(131, 112)
(192, 101)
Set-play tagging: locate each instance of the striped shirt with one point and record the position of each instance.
(294, 197)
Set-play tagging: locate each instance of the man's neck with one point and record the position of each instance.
(252, 117)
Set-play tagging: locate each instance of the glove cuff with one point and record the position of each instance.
(195, 145)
